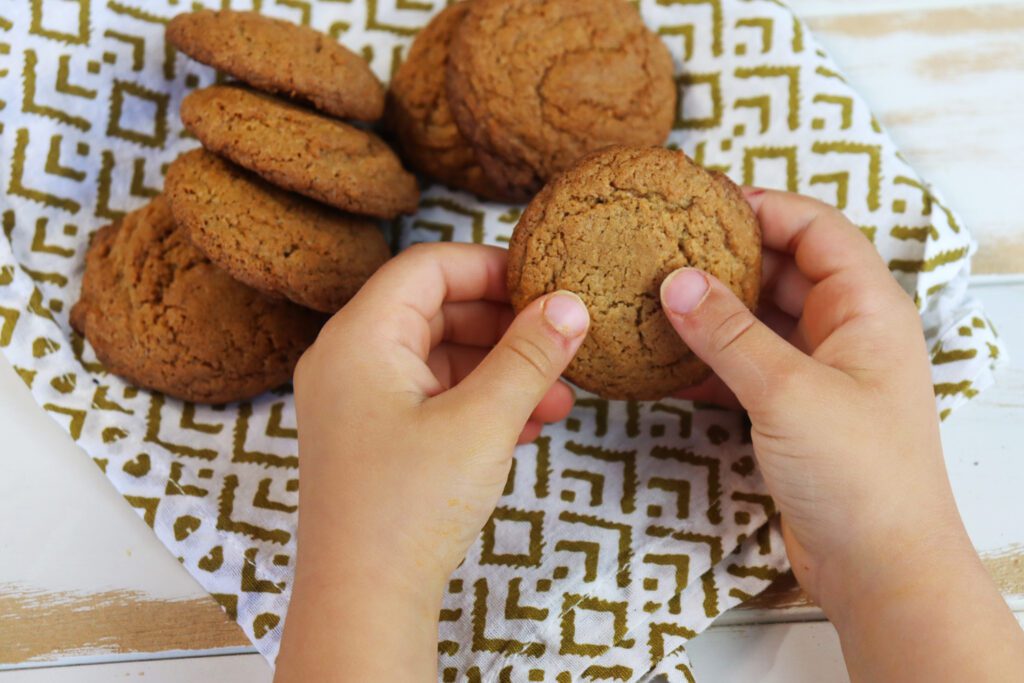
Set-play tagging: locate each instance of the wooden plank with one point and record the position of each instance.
(845, 8)
(80, 573)
(771, 653)
(250, 668)
(104, 556)
(945, 79)
(48, 626)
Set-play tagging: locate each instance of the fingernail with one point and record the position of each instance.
(750, 192)
(567, 313)
(684, 290)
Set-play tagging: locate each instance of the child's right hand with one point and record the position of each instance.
(845, 430)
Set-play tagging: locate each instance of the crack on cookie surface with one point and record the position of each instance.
(175, 323)
(327, 160)
(611, 229)
(509, 58)
(272, 240)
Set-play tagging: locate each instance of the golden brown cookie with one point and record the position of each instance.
(302, 151)
(159, 314)
(534, 85)
(418, 115)
(276, 241)
(611, 229)
(280, 57)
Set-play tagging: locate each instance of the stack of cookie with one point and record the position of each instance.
(212, 292)
(499, 96)
(239, 208)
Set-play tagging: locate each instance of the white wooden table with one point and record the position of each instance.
(87, 593)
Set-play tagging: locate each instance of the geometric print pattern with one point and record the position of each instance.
(624, 531)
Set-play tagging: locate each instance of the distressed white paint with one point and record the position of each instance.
(248, 668)
(841, 8)
(951, 100)
(63, 527)
(771, 653)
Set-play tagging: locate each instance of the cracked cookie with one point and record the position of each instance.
(611, 229)
(302, 151)
(159, 314)
(534, 85)
(280, 57)
(418, 114)
(272, 240)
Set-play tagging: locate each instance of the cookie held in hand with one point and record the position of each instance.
(159, 314)
(611, 229)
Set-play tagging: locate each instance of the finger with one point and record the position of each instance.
(451, 362)
(530, 432)
(869, 323)
(782, 282)
(528, 360)
(820, 238)
(712, 390)
(850, 280)
(556, 404)
(779, 322)
(396, 305)
(471, 323)
(722, 331)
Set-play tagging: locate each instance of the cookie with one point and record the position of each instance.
(300, 150)
(159, 314)
(611, 229)
(534, 85)
(280, 57)
(419, 117)
(275, 241)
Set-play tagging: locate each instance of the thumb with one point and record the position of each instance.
(722, 331)
(528, 360)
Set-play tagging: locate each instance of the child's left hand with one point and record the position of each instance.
(409, 406)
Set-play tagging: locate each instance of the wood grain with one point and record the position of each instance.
(47, 626)
(946, 82)
(950, 21)
(1006, 567)
(846, 8)
(237, 668)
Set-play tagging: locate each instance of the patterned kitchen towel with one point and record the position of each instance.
(610, 522)
(744, 574)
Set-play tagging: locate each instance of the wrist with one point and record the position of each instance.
(359, 614)
(352, 575)
(929, 621)
(898, 574)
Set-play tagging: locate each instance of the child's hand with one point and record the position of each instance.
(407, 421)
(845, 430)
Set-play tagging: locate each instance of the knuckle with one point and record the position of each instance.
(731, 330)
(418, 250)
(303, 367)
(529, 355)
(333, 330)
(787, 382)
(418, 253)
